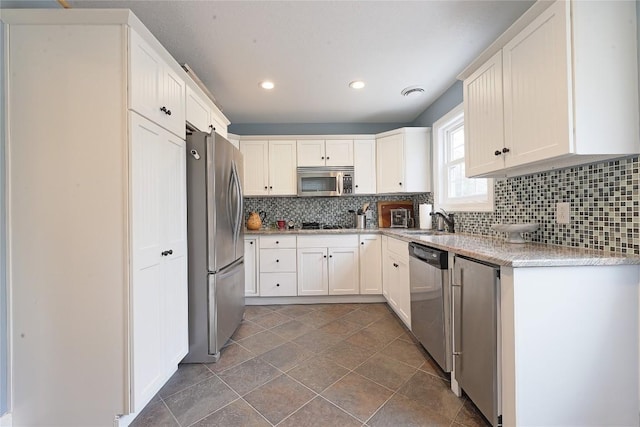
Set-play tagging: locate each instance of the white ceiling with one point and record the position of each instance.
(313, 49)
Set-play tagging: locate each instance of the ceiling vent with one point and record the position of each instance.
(412, 90)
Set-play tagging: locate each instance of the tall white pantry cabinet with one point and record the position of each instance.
(97, 253)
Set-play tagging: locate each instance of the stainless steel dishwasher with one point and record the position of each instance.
(476, 343)
(431, 302)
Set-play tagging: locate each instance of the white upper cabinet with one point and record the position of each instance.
(364, 165)
(156, 91)
(256, 167)
(269, 167)
(483, 118)
(567, 83)
(339, 152)
(330, 152)
(404, 160)
(203, 114)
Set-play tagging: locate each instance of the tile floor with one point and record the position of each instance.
(313, 365)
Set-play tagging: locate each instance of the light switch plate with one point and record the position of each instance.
(563, 213)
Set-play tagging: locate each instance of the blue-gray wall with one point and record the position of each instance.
(311, 128)
(441, 106)
(3, 286)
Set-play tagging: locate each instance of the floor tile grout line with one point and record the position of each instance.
(219, 409)
(190, 386)
(256, 409)
(170, 411)
(301, 406)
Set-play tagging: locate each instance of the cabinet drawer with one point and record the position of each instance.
(398, 247)
(278, 242)
(329, 241)
(277, 260)
(278, 284)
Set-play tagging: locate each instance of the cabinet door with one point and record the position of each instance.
(404, 292)
(339, 152)
(387, 264)
(483, 119)
(343, 271)
(282, 168)
(251, 267)
(390, 162)
(173, 99)
(256, 167)
(311, 152)
(370, 264)
(312, 271)
(173, 223)
(198, 113)
(147, 290)
(364, 162)
(537, 116)
(145, 79)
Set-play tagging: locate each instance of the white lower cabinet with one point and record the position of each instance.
(251, 276)
(370, 264)
(312, 271)
(328, 265)
(277, 261)
(395, 266)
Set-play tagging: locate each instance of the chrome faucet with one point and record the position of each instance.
(447, 218)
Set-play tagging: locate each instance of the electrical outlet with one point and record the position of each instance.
(563, 213)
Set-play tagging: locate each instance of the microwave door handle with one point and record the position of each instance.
(340, 185)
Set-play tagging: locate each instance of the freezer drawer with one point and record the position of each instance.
(475, 349)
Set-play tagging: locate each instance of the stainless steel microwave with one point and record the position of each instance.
(325, 181)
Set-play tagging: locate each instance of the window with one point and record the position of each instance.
(453, 191)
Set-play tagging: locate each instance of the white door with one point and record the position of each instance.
(173, 191)
(538, 122)
(251, 267)
(173, 95)
(387, 264)
(370, 264)
(198, 113)
(364, 163)
(390, 162)
(344, 271)
(403, 295)
(339, 152)
(393, 276)
(311, 152)
(256, 167)
(145, 79)
(282, 168)
(483, 119)
(147, 285)
(312, 271)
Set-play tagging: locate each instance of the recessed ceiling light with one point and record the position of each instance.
(412, 90)
(267, 85)
(356, 84)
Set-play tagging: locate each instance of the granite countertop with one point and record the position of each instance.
(487, 249)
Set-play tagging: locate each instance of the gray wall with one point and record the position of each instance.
(311, 128)
(441, 106)
(3, 269)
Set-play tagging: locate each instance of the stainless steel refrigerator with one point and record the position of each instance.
(216, 244)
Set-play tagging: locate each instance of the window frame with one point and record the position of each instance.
(441, 127)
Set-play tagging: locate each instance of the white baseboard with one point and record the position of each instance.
(314, 300)
(5, 420)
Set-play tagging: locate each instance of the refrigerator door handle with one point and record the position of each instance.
(238, 218)
(231, 214)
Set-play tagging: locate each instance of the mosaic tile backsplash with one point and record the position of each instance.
(325, 210)
(604, 198)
